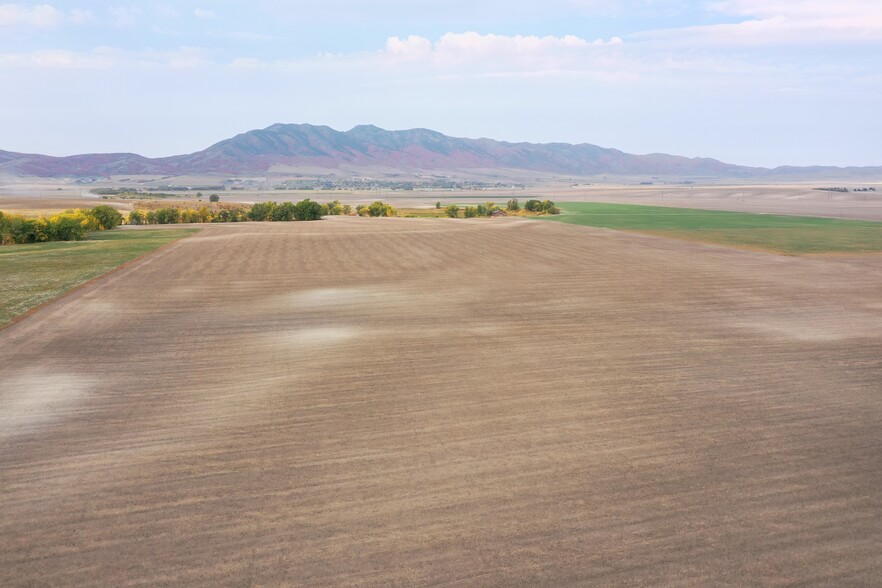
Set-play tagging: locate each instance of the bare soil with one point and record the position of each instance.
(416, 401)
(43, 205)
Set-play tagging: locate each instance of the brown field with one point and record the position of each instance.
(36, 206)
(416, 401)
(792, 198)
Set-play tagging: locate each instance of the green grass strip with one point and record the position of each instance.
(771, 232)
(31, 274)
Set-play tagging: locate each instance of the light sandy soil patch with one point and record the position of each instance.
(407, 401)
(36, 206)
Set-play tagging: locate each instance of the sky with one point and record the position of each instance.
(752, 82)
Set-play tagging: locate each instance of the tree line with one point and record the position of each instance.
(75, 224)
(305, 210)
(512, 206)
(70, 225)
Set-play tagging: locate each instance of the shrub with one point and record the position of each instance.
(532, 205)
(512, 204)
(229, 215)
(548, 207)
(136, 217)
(307, 210)
(165, 216)
(261, 211)
(107, 217)
(470, 212)
(437, 206)
(214, 198)
(334, 208)
(452, 211)
(380, 208)
(283, 212)
(67, 226)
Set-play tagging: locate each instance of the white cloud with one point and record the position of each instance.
(779, 22)
(57, 60)
(203, 14)
(413, 48)
(167, 12)
(124, 16)
(41, 16)
(109, 58)
(240, 36)
(78, 16)
(489, 49)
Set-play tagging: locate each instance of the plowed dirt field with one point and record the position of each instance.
(407, 401)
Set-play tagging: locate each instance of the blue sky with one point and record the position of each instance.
(757, 82)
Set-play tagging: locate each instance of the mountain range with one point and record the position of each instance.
(288, 147)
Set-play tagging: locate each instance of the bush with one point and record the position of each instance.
(67, 226)
(452, 211)
(548, 207)
(229, 215)
(512, 204)
(71, 225)
(261, 211)
(165, 216)
(334, 208)
(470, 212)
(136, 217)
(543, 207)
(437, 206)
(107, 217)
(214, 198)
(380, 208)
(532, 205)
(283, 212)
(307, 210)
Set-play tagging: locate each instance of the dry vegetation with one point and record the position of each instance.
(408, 401)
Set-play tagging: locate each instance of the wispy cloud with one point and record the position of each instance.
(204, 14)
(41, 16)
(471, 47)
(461, 54)
(782, 22)
(124, 16)
(106, 58)
(241, 36)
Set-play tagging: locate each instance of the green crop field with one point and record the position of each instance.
(779, 233)
(34, 273)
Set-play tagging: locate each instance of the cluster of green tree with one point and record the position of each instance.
(305, 210)
(479, 210)
(543, 207)
(70, 225)
(133, 194)
(377, 208)
(512, 206)
(113, 191)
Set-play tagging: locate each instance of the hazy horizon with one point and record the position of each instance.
(742, 81)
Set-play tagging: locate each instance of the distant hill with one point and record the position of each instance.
(291, 146)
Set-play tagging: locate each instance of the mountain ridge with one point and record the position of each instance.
(286, 145)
